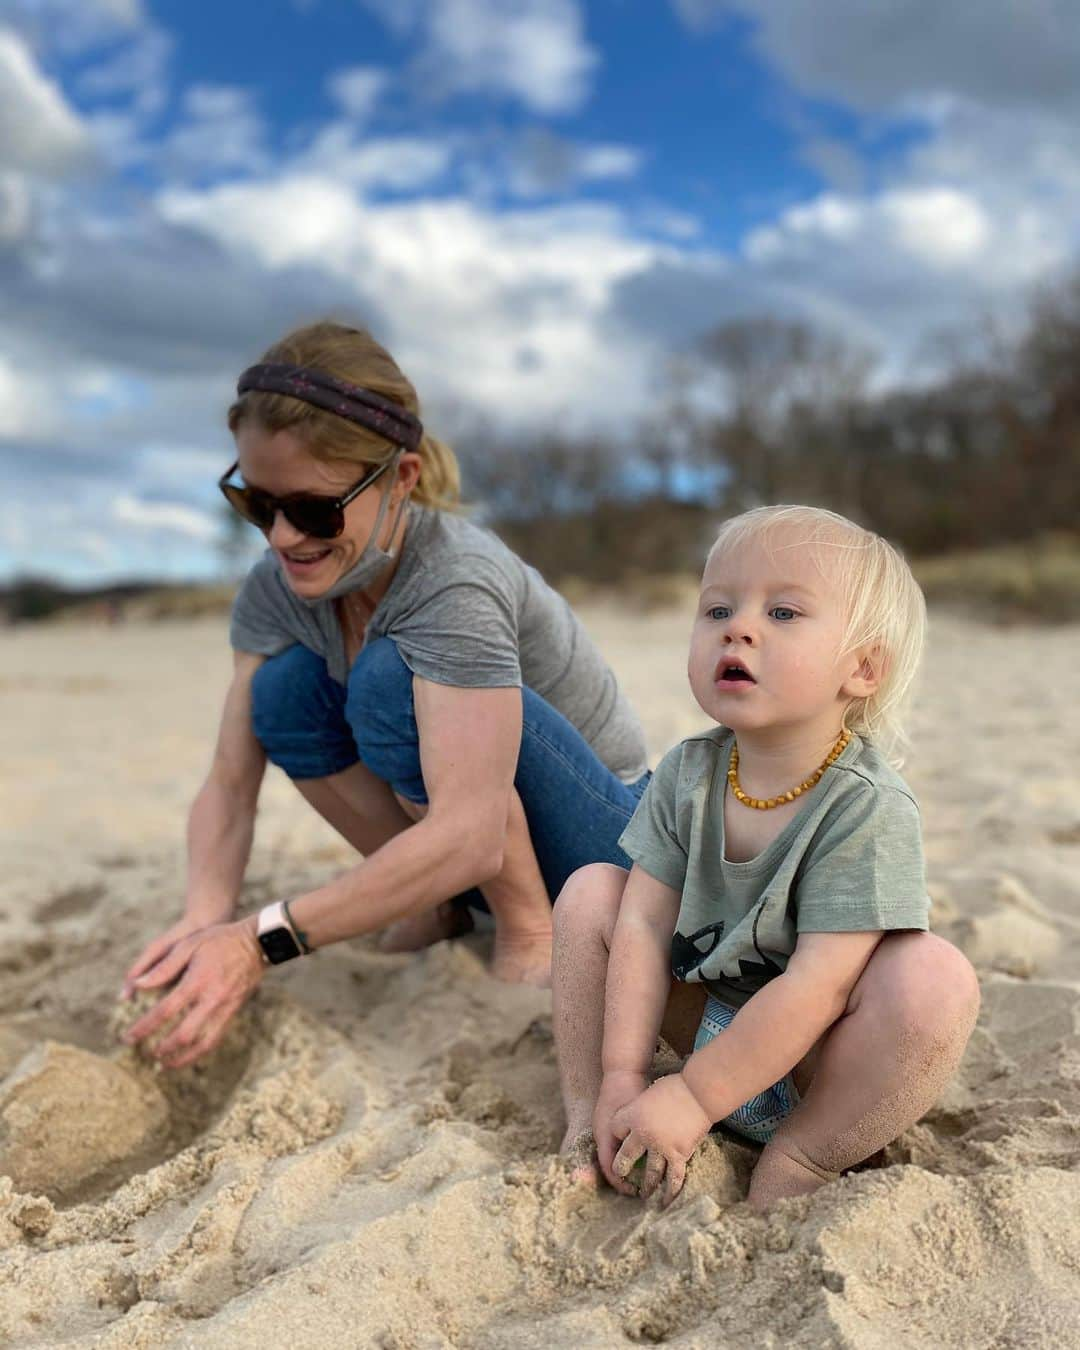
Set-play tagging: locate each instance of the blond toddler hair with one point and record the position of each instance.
(884, 608)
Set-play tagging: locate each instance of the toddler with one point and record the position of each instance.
(773, 926)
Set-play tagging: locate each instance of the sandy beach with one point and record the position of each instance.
(368, 1160)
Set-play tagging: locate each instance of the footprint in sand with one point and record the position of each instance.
(68, 1118)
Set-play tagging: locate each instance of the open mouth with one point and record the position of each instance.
(733, 673)
(303, 560)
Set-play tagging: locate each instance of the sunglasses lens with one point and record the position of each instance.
(254, 506)
(316, 516)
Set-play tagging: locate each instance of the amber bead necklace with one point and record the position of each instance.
(763, 804)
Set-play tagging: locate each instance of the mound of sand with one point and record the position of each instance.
(66, 1116)
(368, 1158)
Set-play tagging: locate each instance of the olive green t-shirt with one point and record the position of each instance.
(850, 861)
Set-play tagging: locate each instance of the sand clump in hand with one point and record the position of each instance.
(368, 1158)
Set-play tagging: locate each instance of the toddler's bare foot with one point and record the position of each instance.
(522, 958)
(410, 934)
(578, 1151)
(783, 1172)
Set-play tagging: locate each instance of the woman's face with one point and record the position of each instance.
(280, 463)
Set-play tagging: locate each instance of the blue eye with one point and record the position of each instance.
(784, 613)
(718, 612)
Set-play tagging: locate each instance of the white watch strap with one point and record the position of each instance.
(273, 916)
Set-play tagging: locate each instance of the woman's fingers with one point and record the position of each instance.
(210, 1036)
(167, 969)
(163, 1012)
(149, 956)
(176, 1049)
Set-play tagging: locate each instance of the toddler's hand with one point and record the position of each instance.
(665, 1124)
(618, 1089)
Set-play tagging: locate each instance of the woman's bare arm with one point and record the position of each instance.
(220, 825)
(469, 741)
(222, 819)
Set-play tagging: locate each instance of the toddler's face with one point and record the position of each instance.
(765, 647)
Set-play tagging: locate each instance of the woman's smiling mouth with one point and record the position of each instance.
(300, 564)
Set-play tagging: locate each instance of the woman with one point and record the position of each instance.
(430, 696)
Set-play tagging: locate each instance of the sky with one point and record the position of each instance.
(532, 203)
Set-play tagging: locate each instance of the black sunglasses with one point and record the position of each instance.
(320, 517)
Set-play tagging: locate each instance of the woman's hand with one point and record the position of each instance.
(664, 1125)
(216, 969)
(617, 1090)
(152, 953)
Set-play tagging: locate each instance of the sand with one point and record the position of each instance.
(367, 1160)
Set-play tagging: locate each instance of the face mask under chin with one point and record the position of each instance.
(371, 564)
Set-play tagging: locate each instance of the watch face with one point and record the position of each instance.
(279, 945)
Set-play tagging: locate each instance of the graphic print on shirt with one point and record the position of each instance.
(686, 955)
(754, 974)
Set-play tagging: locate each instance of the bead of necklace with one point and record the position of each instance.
(763, 803)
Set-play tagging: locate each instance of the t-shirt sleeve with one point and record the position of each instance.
(465, 632)
(865, 869)
(652, 836)
(257, 623)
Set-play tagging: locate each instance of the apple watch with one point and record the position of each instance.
(277, 936)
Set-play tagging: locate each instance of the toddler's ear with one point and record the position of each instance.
(867, 675)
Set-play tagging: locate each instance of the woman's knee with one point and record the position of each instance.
(297, 715)
(590, 899)
(379, 710)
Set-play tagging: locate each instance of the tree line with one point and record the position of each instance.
(767, 410)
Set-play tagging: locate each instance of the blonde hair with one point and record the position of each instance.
(351, 354)
(884, 608)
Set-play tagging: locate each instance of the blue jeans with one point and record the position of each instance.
(311, 726)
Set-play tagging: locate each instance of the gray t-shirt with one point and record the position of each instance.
(463, 610)
(850, 861)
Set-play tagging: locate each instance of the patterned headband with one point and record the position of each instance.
(381, 415)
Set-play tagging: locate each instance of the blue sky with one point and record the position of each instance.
(533, 203)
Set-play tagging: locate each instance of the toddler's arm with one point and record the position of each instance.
(636, 993)
(780, 1024)
(765, 1040)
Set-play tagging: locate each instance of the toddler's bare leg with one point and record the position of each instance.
(880, 1066)
(585, 915)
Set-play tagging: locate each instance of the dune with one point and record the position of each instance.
(368, 1159)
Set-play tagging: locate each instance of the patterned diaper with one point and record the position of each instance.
(758, 1118)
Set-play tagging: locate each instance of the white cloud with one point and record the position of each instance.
(467, 291)
(17, 400)
(220, 130)
(281, 221)
(138, 70)
(396, 163)
(880, 55)
(15, 207)
(608, 161)
(358, 89)
(167, 517)
(939, 227)
(532, 49)
(39, 131)
(74, 25)
(540, 163)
